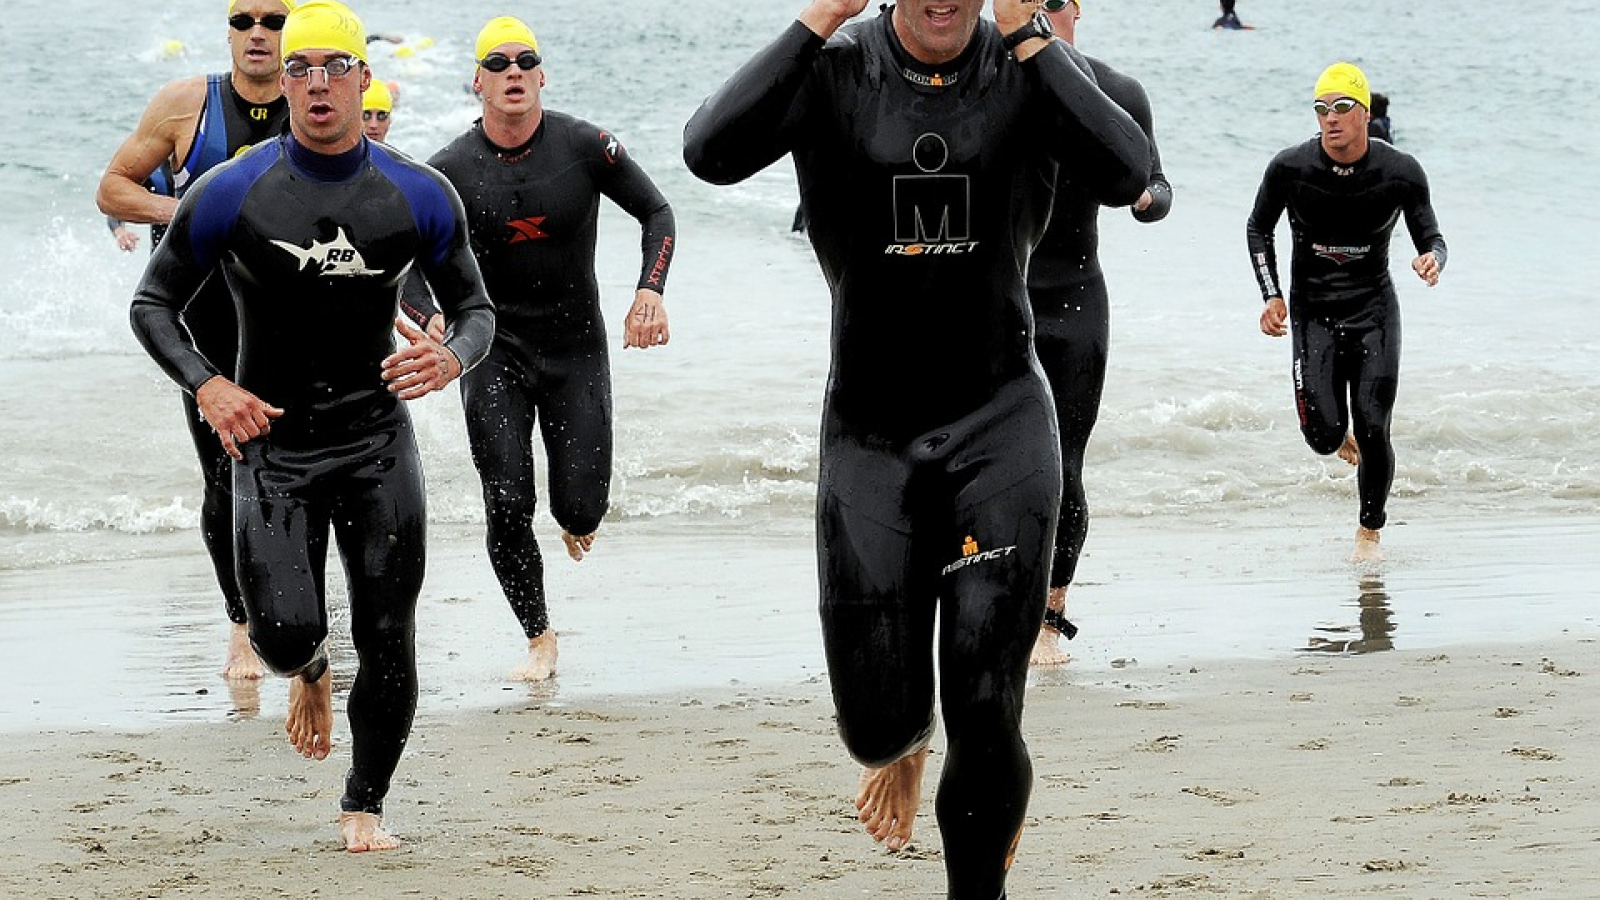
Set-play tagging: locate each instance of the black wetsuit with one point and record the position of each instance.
(314, 249)
(1343, 310)
(228, 124)
(1072, 315)
(940, 475)
(534, 212)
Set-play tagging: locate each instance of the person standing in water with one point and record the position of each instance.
(1072, 323)
(190, 126)
(314, 233)
(1344, 193)
(532, 179)
(927, 141)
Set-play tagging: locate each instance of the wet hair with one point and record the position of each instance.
(1380, 105)
(1227, 6)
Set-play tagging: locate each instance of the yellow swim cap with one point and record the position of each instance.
(324, 25)
(233, 3)
(1344, 78)
(377, 96)
(503, 30)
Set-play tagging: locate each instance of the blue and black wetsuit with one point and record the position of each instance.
(229, 124)
(314, 249)
(1072, 314)
(534, 212)
(1343, 310)
(940, 471)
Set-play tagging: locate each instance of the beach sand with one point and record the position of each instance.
(1204, 742)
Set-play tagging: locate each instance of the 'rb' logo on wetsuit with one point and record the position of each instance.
(932, 212)
(335, 257)
(971, 555)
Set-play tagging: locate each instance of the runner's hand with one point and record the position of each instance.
(1427, 268)
(647, 321)
(421, 367)
(1273, 317)
(235, 414)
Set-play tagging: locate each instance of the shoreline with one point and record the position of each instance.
(1402, 774)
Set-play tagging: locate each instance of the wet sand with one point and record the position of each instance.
(1246, 715)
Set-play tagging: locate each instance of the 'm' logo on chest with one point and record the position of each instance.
(335, 257)
(527, 229)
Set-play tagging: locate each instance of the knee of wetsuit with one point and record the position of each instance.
(288, 649)
(509, 501)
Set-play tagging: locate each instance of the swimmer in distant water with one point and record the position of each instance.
(314, 232)
(532, 179)
(1344, 193)
(190, 126)
(377, 111)
(1072, 314)
(1380, 126)
(1229, 20)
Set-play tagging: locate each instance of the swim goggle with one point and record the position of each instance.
(1055, 5)
(338, 67)
(1340, 106)
(499, 62)
(382, 115)
(245, 22)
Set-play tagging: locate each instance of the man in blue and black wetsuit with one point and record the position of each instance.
(927, 141)
(314, 233)
(532, 179)
(1072, 322)
(191, 125)
(1344, 193)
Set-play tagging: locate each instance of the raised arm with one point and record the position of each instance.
(747, 124)
(1104, 145)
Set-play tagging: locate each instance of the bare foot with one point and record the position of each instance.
(1349, 452)
(364, 831)
(888, 798)
(577, 544)
(243, 663)
(1047, 646)
(310, 723)
(542, 653)
(1367, 549)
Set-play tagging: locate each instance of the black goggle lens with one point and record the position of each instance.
(243, 22)
(499, 62)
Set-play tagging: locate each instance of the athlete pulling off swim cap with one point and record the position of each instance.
(324, 25)
(503, 30)
(1346, 80)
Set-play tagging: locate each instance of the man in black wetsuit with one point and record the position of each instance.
(926, 141)
(532, 179)
(1344, 194)
(1072, 323)
(314, 232)
(190, 126)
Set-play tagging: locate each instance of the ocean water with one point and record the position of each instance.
(1500, 393)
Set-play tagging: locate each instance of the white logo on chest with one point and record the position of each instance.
(335, 257)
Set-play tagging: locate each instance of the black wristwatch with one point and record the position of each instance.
(1037, 27)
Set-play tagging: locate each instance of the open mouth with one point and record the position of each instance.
(942, 16)
(320, 112)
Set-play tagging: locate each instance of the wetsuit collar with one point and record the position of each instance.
(510, 154)
(322, 166)
(1339, 168)
(920, 73)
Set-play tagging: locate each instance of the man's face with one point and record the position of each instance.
(1064, 21)
(325, 111)
(514, 91)
(255, 50)
(1341, 131)
(936, 31)
(375, 122)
